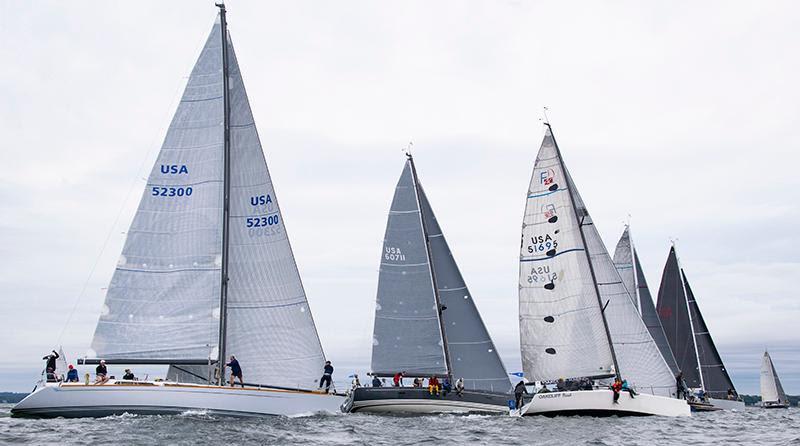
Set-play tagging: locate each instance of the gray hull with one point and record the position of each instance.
(417, 400)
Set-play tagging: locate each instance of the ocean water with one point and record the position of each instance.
(751, 427)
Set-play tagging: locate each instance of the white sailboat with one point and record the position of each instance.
(577, 319)
(772, 394)
(206, 271)
(690, 340)
(426, 321)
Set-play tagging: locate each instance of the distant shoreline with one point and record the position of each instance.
(11, 397)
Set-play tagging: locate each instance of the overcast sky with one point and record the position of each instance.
(682, 115)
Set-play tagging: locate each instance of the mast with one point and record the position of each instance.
(223, 296)
(689, 313)
(586, 251)
(439, 307)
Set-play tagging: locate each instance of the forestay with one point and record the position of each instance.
(473, 355)
(407, 335)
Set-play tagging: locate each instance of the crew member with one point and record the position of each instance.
(72, 374)
(128, 375)
(101, 373)
(376, 382)
(326, 376)
(236, 370)
(616, 387)
(398, 379)
(51, 361)
(519, 390)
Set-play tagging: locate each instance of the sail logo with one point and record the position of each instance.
(549, 212)
(394, 254)
(261, 200)
(174, 169)
(547, 176)
(665, 312)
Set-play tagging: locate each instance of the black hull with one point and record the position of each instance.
(417, 400)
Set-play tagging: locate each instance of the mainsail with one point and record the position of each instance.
(164, 298)
(626, 259)
(771, 388)
(576, 316)
(688, 334)
(426, 322)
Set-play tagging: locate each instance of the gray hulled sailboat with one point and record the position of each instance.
(690, 339)
(426, 322)
(577, 319)
(772, 394)
(206, 271)
(626, 259)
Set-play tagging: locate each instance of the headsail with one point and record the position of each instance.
(164, 299)
(771, 388)
(473, 355)
(566, 274)
(626, 259)
(716, 381)
(407, 334)
(270, 328)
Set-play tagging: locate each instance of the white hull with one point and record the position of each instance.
(726, 404)
(600, 403)
(78, 400)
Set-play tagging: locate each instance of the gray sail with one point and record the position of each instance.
(269, 324)
(472, 353)
(163, 299)
(716, 381)
(626, 260)
(651, 319)
(407, 335)
(674, 313)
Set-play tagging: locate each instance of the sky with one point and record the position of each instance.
(678, 117)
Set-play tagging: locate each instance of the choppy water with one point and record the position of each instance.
(753, 426)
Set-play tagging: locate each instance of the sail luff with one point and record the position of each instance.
(570, 192)
(439, 307)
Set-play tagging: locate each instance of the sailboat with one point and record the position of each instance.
(772, 394)
(426, 321)
(626, 259)
(690, 339)
(206, 271)
(577, 319)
